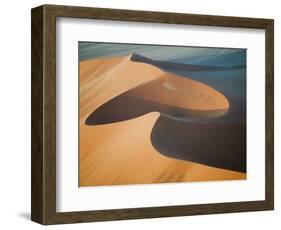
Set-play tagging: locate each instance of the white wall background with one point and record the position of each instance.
(15, 113)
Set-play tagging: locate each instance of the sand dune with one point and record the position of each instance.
(122, 152)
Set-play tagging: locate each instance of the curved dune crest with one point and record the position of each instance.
(122, 152)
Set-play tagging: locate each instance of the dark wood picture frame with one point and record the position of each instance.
(43, 186)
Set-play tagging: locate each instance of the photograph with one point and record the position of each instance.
(141, 114)
(153, 113)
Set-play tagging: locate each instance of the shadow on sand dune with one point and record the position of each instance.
(221, 145)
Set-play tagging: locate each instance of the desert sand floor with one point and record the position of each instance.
(121, 153)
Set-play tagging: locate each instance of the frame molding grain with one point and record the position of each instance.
(43, 157)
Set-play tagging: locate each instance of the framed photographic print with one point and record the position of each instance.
(140, 114)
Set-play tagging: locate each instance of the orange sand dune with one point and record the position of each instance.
(122, 153)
